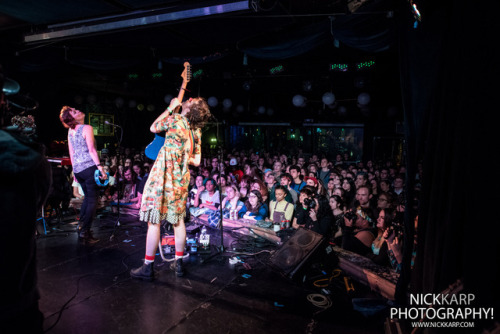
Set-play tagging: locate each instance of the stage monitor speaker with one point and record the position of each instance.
(299, 249)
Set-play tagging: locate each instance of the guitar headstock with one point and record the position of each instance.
(186, 73)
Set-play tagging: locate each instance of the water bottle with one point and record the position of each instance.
(204, 238)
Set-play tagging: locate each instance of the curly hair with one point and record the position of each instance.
(199, 113)
(263, 187)
(66, 119)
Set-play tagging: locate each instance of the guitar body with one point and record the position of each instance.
(154, 147)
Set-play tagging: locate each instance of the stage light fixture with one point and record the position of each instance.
(136, 19)
(10, 87)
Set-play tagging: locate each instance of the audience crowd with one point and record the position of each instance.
(358, 206)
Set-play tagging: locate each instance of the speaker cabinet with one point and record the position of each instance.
(302, 246)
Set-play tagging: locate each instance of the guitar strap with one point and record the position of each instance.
(191, 139)
(191, 136)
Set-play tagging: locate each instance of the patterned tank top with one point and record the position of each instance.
(81, 156)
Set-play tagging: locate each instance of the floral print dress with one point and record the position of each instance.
(166, 189)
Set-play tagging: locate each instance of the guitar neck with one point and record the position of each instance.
(186, 75)
(181, 94)
(181, 91)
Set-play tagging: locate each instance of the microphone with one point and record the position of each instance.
(109, 123)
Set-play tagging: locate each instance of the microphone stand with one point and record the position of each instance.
(221, 220)
(117, 223)
(220, 249)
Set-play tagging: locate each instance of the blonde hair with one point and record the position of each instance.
(235, 188)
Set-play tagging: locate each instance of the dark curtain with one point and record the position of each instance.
(290, 43)
(449, 75)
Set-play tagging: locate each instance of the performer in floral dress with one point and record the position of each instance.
(166, 190)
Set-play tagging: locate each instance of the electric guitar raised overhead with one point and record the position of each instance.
(154, 147)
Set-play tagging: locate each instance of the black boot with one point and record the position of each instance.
(87, 237)
(145, 272)
(178, 267)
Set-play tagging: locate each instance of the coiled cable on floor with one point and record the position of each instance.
(325, 282)
(319, 300)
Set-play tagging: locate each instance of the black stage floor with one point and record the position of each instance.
(87, 289)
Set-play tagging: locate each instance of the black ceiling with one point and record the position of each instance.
(231, 49)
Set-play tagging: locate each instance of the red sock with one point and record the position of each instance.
(149, 259)
(179, 254)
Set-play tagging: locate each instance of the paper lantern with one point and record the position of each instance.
(119, 102)
(212, 101)
(91, 99)
(363, 99)
(299, 101)
(328, 98)
(168, 98)
(227, 103)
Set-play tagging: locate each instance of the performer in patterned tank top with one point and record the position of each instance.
(166, 190)
(85, 160)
